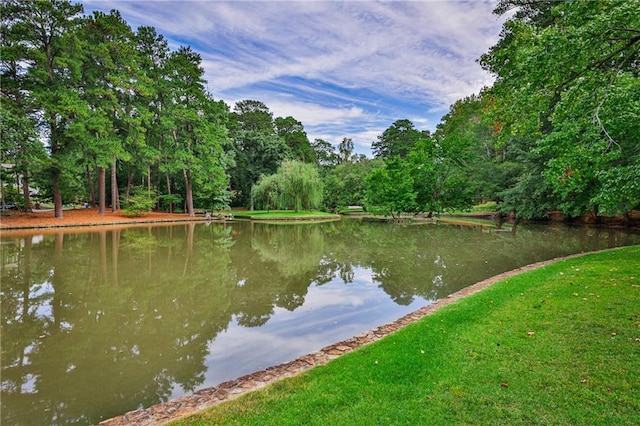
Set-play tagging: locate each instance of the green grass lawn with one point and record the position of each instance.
(470, 221)
(282, 214)
(487, 207)
(555, 346)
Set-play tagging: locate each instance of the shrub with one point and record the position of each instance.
(139, 202)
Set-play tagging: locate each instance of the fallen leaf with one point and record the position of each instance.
(504, 384)
(614, 334)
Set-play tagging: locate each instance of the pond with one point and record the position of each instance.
(98, 323)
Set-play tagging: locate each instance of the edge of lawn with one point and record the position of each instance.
(497, 357)
(374, 383)
(285, 216)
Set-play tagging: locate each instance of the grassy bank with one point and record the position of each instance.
(462, 220)
(557, 345)
(488, 207)
(283, 215)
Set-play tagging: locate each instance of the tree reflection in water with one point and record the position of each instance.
(99, 323)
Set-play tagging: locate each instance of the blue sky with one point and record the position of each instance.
(342, 68)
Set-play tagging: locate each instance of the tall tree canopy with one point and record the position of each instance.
(111, 78)
(390, 188)
(345, 184)
(296, 186)
(567, 77)
(292, 131)
(19, 144)
(196, 127)
(258, 149)
(397, 140)
(345, 150)
(44, 37)
(101, 96)
(558, 130)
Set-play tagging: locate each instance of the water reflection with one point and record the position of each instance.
(99, 323)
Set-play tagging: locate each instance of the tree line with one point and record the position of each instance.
(558, 130)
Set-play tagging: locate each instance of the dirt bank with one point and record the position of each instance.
(85, 217)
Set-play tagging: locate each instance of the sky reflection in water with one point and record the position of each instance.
(99, 323)
(331, 313)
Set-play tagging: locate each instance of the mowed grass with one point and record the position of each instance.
(282, 214)
(470, 221)
(558, 345)
(487, 207)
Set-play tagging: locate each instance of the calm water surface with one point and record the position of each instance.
(98, 323)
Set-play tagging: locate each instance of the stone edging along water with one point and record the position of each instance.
(200, 400)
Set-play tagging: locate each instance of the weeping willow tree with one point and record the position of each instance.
(266, 193)
(296, 186)
(302, 187)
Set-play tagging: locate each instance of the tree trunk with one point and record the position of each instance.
(114, 188)
(169, 192)
(149, 181)
(57, 195)
(188, 192)
(1, 190)
(23, 151)
(92, 193)
(595, 214)
(25, 188)
(129, 181)
(102, 190)
(55, 171)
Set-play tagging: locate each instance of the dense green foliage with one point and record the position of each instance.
(103, 97)
(390, 188)
(138, 202)
(558, 130)
(557, 345)
(346, 184)
(296, 186)
(566, 103)
(397, 140)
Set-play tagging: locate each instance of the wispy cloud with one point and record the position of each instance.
(342, 68)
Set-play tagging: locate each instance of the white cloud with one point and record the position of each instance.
(331, 62)
(314, 114)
